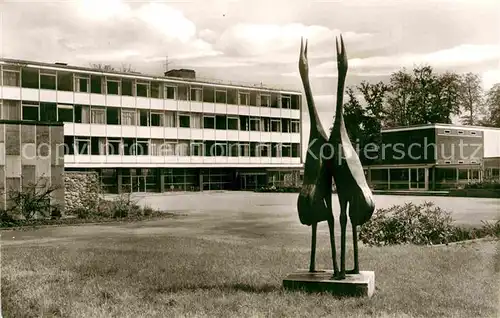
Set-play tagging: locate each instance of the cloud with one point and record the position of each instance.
(170, 22)
(111, 31)
(208, 35)
(118, 55)
(268, 45)
(252, 40)
(324, 98)
(316, 74)
(490, 78)
(99, 10)
(459, 56)
(219, 62)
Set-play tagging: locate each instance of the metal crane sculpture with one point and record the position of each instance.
(314, 203)
(355, 196)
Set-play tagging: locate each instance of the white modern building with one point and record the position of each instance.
(160, 133)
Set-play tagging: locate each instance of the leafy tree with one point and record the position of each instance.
(493, 104)
(375, 96)
(353, 116)
(401, 87)
(446, 98)
(364, 123)
(471, 99)
(421, 95)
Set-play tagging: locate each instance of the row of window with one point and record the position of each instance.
(98, 84)
(460, 132)
(84, 114)
(84, 145)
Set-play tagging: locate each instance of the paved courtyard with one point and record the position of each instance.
(245, 217)
(233, 205)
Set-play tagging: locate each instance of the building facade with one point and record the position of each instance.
(160, 133)
(434, 157)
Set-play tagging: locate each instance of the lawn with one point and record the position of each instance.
(228, 260)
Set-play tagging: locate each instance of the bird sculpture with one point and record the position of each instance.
(314, 203)
(354, 194)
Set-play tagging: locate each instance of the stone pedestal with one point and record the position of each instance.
(354, 285)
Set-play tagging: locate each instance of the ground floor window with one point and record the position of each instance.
(123, 180)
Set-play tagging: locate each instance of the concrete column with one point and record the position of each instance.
(201, 180)
(162, 182)
(433, 176)
(159, 186)
(184, 179)
(369, 176)
(119, 180)
(388, 178)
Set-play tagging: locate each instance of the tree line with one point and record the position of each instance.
(416, 97)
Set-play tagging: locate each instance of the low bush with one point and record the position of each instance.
(488, 229)
(148, 211)
(491, 229)
(123, 206)
(32, 207)
(419, 224)
(278, 189)
(34, 201)
(486, 184)
(55, 213)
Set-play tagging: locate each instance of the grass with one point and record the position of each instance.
(189, 277)
(27, 225)
(230, 262)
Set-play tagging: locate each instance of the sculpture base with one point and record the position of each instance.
(354, 285)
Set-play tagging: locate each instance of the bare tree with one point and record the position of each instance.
(102, 67)
(127, 68)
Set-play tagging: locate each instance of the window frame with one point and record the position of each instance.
(30, 104)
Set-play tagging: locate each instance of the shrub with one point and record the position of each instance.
(278, 189)
(32, 199)
(148, 211)
(491, 229)
(488, 229)
(486, 184)
(421, 225)
(408, 223)
(122, 205)
(82, 213)
(5, 216)
(55, 214)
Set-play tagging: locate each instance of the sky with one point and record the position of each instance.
(258, 41)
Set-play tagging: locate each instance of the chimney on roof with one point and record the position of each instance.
(182, 73)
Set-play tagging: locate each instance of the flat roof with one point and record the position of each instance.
(138, 75)
(428, 126)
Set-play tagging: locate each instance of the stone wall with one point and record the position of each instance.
(31, 154)
(82, 190)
